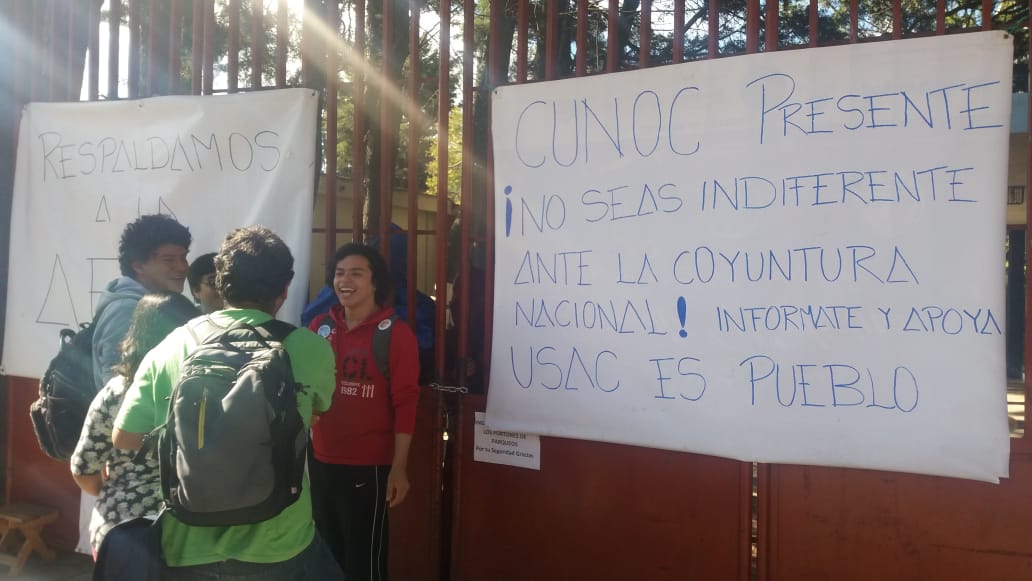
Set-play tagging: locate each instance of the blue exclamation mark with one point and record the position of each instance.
(682, 308)
(508, 211)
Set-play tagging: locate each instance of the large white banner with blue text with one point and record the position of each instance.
(793, 257)
(85, 170)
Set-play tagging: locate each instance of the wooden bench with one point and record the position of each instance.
(25, 521)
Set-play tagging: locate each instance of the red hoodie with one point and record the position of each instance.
(359, 427)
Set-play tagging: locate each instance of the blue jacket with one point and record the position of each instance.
(115, 309)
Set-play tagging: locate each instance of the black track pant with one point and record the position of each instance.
(350, 509)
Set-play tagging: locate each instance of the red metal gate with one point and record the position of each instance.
(593, 511)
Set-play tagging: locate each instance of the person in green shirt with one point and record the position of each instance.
(253, 270)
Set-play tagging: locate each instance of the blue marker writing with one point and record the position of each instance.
(682, 308)
(508, 211)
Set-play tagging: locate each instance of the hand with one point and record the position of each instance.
(397, 487)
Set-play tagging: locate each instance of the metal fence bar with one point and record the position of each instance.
(208, 71)
(413, 113)
(22, 17)
(330, 147)
(582, 38)
(196, 47)
(897, 19)
(442, 223)
(134, 49)
(551, 38)
(496, 76)
(766, 537)
(645, 34)
(771, 26)
(522, 29)
(612, 48)
(1025, 439)
(46, 23)
(72, 56)
(465, 239)
(678, 48)
(752, 26)
(175, 42)
(93, 51)
(358, 146)
(854, 20)
(385, 197)
(39, 70)
(257, 42)
(233, 49)
(713, 21)
(814, 36)
(282, 34)
(148, 25)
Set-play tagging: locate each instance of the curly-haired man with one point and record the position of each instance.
(152, 258)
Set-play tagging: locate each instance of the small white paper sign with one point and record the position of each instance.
(511, 448)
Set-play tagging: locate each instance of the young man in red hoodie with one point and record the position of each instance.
(361, 444)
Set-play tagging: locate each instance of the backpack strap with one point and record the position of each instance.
(382, 346)
(204, 330)
(275, 330)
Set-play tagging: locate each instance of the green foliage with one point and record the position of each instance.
(454, 161)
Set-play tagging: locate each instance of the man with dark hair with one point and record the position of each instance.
(152, 258)
(359, 466)
(201, 277)
(253, 270)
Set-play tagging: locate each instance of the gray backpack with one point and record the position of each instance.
(232, 450)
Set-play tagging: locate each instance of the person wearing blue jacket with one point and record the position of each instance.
(152, 258)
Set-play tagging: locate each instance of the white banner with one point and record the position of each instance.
(793, 257)
(85, 170)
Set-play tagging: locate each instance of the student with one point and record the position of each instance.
(202, 283)
(152, 258)
(420, 319)
(124, 489)
(361, 445)
(254, 269)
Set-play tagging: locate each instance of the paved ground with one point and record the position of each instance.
(66, 567)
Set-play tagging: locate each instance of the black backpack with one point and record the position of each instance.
(65, 393)
(232, 449)
(66, 390)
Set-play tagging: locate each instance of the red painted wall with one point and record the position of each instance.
(599, 511)
(843, 524)
(415, 526)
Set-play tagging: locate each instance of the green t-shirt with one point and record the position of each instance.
(146, 405)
